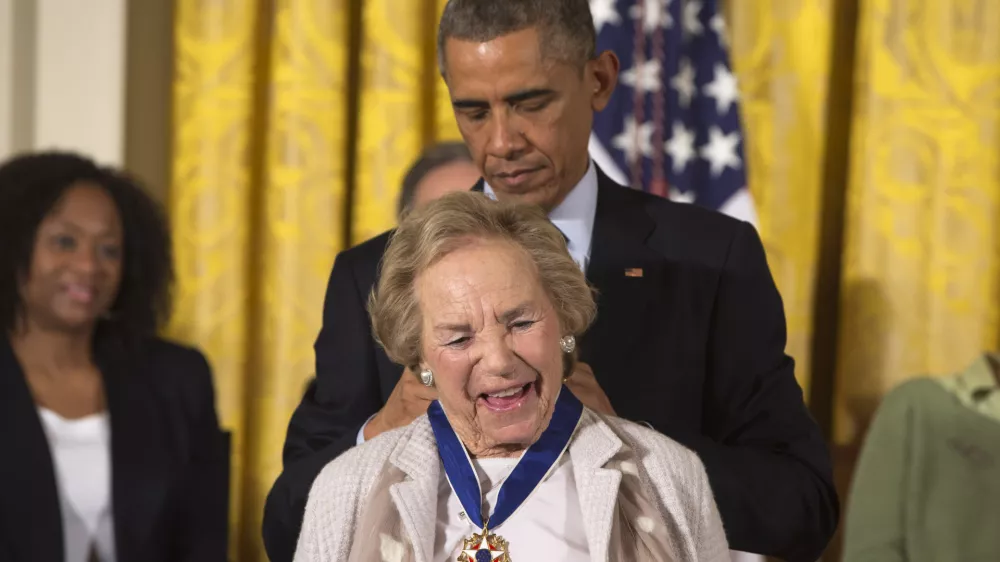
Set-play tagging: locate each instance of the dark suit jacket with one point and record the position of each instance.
(169, 461)
(695, 347)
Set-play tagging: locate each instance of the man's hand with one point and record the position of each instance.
(408, 401)
(584, 386)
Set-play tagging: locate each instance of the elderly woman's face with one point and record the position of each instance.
(491, 336)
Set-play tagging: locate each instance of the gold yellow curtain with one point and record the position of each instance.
(403, 105)
(256, 204)
(445, 126)
(208, 201)
(873, 137)
(266, 190)
(393, 108)
(917, 249)
(298, 208)
(873, 143)
(780, 52)
(920, 278)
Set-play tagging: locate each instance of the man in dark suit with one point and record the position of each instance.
(690, 331)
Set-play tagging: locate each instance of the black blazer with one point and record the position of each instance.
(695, 346)
(169, 461)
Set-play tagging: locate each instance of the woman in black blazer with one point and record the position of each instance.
(110, 441)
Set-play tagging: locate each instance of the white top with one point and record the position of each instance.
(549, 526)
(575, 215)
(674, 479)
(81, 451)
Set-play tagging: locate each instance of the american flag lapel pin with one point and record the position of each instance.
(633, 272)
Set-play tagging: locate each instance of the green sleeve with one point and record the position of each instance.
(874, 526)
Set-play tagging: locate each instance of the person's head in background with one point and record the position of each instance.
(441, 169)
(525, 80)
(84, 248)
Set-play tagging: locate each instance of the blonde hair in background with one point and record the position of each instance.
(455, 221)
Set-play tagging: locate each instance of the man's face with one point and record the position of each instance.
(526, 118)
(459, 175)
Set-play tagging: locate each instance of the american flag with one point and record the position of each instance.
(672, 126)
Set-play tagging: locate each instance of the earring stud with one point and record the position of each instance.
(427, 377)
(568, 344)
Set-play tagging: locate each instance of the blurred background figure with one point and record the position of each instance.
(927, 485)
(441, 169)
(112, 445)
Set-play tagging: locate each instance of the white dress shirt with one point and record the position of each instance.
(574, 217)
(81, 452)
(549, 526)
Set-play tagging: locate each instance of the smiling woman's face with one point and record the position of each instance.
(76, 266)
(491, 337)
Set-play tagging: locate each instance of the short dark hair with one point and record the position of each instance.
(565, 27)
(435, 156)
(31, 185)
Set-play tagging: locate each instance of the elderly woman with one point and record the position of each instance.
(483, 300)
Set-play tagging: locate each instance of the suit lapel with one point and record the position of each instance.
(625, 272)
(29, 497)
(139, 467)
(416, 498)
(593, 446)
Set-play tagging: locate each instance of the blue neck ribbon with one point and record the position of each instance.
(531, 469)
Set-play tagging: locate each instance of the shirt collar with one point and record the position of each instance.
(575, 215)
(977, 387)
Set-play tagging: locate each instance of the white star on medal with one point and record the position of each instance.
(483, 545)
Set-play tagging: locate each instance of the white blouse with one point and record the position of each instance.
(549, 525)
(81, 451)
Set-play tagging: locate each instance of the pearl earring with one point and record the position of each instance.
(568, 344)
(427, 377)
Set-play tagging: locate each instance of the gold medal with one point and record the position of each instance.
(484, 547)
